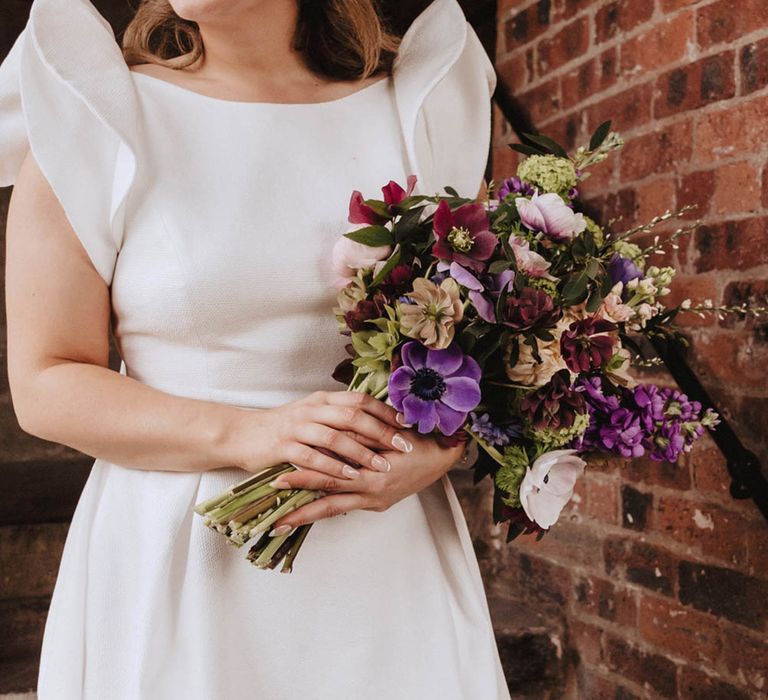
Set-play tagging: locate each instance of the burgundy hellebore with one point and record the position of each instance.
(361, 213)
(462, 235)
(435, 387)
(532, 308)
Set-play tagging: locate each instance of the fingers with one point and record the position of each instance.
(318, 481)
(356, 399)
(325, 507)
(304, 456)
(357, 419)
(341, 444)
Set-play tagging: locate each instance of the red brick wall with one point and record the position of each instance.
(657, 578)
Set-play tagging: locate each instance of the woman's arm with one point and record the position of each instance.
(62, 389)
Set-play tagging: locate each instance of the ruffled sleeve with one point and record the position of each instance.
(443, 81)
(66, 93)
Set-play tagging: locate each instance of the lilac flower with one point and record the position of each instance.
(549, 214)
(484, 288)
(622, 269)
(493, 434)
(435, 387)
(514, 185)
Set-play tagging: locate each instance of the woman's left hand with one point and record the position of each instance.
(373, 490)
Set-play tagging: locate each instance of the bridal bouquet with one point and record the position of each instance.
(511, 322)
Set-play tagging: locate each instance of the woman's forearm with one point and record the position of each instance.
(105, 414)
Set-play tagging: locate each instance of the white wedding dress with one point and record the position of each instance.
(213, 222)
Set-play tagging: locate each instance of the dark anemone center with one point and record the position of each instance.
(427, 384)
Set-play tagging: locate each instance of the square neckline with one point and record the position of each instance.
(245, 103)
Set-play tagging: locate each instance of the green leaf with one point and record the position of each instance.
(371, 235)
(380, 207)
(594, 269)
(451, 191)
(600, 135)
(393, 260)
(548, 144)
(525, 149)
(498, 266)
(575, 289)
(593, 303)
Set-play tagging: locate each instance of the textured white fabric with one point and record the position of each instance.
(213, 221)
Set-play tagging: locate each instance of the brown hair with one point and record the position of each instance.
(339, 39)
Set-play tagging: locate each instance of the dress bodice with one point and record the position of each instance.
(223, 286)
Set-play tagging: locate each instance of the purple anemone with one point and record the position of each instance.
(435, 387)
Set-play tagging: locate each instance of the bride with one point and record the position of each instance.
(185, 191)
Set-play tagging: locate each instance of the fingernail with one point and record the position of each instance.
(281, 530)
(279, 483)
(350, 471)
(400, 418)
(381, 464)
(401, 443)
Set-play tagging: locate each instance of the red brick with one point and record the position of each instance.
(731, 245)
(627, 109)
(695, 84)
(504, 162)
(586, 639)
(682, 631)
(728, 132)
(568, 542)
(765, 186)
(753, 293)
(513, 70)
(713, 530)
(635, 508)
(746, 657)
(659, 151)
(568, 8)
(753, 61)
(672, 5)
(525, 25)
(655, 198)
(641, 563)
(593, 684)
(664, 43)
(695, 189)
(721, 22)
(697, 288)
(724, 592)
(602, 499)
(29, 557)
(571, 42)
(737, 188)
(620, 16)
(698, 685)
(649, 472)
(542, 102)
(646, 668)
(579, 83)
(598, 596)
(546, 583)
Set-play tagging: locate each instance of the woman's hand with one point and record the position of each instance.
(326, 432)
(377, 491)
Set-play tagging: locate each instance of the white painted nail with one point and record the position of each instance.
(401, 443)
(350, 472)
(281, 530)
(381, 464)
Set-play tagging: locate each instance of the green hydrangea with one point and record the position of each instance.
(549, 173)
(544, 284)
(510, 474)
(595, 230)
(548, 439)
(631, 251)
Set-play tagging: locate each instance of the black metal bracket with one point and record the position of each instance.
(747, 478)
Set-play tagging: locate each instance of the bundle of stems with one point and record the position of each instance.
(249, 508)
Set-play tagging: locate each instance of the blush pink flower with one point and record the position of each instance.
(529, 261)
(348, 256)
(549, 214)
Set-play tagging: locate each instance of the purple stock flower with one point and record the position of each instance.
(622, 269)
(435, 387)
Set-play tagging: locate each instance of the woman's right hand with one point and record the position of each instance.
(326, 431)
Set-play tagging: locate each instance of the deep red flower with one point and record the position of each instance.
(554, 405)
(585, 345)
(361, 213)
(462, 235)
(398, 281)
(532, 308)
